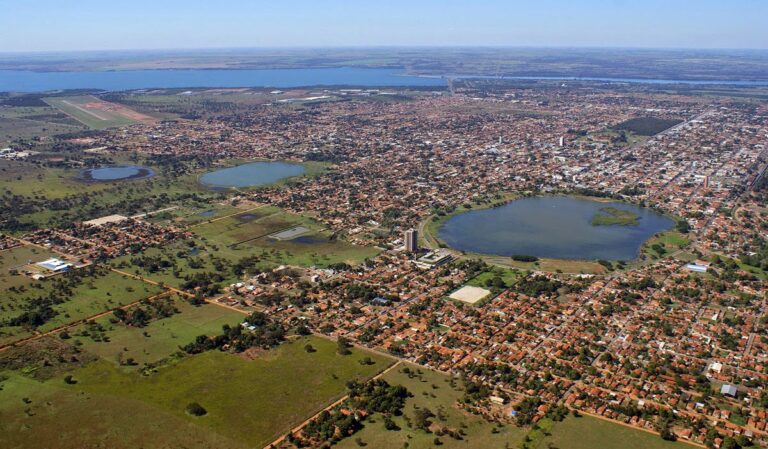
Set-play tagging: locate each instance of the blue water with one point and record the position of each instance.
(253, 174)
(26, 81)
(553, 227)
(627, 80)
(116, 173)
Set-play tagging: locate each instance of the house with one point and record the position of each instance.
(728, 390)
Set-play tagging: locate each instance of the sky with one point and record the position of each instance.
(74, 25)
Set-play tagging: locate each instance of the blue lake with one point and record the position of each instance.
(26, 81)
(116, 173)
(252, 174)
(554, 227)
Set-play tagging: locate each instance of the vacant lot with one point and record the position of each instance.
(250, 401)
(435, 392)
(95, 113)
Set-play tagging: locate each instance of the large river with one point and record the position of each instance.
(25, 81)
(555, 227)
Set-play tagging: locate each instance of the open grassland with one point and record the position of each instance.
(99, 199)
(29, 180)
(434, 391)
(249, 401)
(248, 234)
(158, 339)
(33, 122)
(587, 432)
(96, 113)
(95, 294)
(45, 414)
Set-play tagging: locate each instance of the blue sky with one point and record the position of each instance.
(52, 25)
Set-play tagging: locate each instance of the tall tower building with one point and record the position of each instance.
(411, 240)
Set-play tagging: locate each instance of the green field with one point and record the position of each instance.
(33, 122)
(26, 179)
(160, 338)
(81, 109)
(249, 401)
(434, 391)
(71, 419)
(96, 199)
(586, 432)
(96, 294)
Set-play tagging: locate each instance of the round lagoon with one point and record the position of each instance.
(252, 174)
(116, 173)
(556, 227)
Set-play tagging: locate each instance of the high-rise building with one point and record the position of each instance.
(562, 141)
(411, 240)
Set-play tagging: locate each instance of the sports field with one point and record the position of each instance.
(96, 113)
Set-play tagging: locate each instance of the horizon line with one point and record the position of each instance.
(380, 47)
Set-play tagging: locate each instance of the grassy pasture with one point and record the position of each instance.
(70, 419)
(249, 401)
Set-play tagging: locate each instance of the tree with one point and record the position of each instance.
(195, 409)
(342, 346)
(421, 418)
